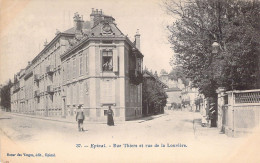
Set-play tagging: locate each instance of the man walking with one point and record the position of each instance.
(80, 118)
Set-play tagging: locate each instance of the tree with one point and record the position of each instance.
(163, 72)
(234, 25)
(154, 96)
(6, 96)
(178, 73)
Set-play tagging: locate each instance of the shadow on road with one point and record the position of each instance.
(5, 118)
(188, 120)
(197, 120)
(147, 118)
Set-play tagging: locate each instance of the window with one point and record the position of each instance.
(80, 65)
(71, 94)
(135, 94)
(139, 64)
(127, 88)
(81, 92)
(107, 60)
(131, 93)
(139, 93)
(87, 63)
(74, 94)
(67, 70)
(74, 68)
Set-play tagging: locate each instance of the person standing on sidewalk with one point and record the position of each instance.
(80, 117)
(110, 114)
(212, 115)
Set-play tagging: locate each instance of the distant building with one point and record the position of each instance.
(173, 91)
(92, 65)
(189, 96)
(174, 97)
(171, 83)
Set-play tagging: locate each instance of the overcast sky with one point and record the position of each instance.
(26, 24)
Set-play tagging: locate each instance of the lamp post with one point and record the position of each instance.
(213, 112)
(215, 47)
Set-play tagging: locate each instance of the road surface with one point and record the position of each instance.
(175, 136)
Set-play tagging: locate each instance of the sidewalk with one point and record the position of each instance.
(73, 120)
(199, 130)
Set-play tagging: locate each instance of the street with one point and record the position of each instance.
(175, 135)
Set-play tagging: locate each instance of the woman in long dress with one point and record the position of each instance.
(110, 114)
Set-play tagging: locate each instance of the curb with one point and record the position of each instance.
(42, 118)
(74, 122)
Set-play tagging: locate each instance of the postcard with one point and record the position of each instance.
(129, 81)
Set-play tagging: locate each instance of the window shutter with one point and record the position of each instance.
(115, 60)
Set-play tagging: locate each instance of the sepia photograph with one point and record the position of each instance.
(129, 81)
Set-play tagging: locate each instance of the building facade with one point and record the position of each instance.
(174, 91)
(92, 65)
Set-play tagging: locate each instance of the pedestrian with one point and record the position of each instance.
(110, 114)
(212, 115)
(80, 117)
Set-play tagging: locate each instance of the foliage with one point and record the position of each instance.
(234, 24)
(178, 73)
(153, 94)
(163, 72)
(6, 96)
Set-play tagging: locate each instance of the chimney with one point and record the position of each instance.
(78, 22)
(92, 16)
(137, 40)
(78, 25)
(96, 17)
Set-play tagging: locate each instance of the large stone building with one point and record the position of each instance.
(92, 65)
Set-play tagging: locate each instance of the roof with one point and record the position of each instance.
(70, 31)
(96, 33)
(48, 45)
(86, 25)
(147, 74)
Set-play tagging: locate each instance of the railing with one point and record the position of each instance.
(50, 89)
(36, 93)
(247, 97)
(36, 77)
(136, 77)
(50, 69)
(16, 87)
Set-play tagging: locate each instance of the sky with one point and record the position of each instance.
(26, 24)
